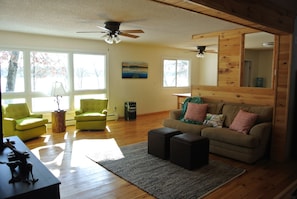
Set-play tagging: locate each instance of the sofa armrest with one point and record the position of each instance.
(262, 131)
(175, 114)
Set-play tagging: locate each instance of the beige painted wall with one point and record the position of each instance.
(148, 93)
(208, 70)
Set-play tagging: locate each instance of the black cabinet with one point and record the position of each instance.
(47, 186)
(130, 110)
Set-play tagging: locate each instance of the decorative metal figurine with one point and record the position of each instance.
(18, 160)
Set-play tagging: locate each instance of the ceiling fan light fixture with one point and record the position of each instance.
(200, 53)
(112, 38)
(108, 39)
(268, 44)
(116, 39)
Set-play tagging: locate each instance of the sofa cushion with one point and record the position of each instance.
(264, 113)
(196, 100)
(214, 108)
(29, 123)
(243, 121)
(195, 113)
(229, 136)
(214, 120)
(182, 126)
(230, 110)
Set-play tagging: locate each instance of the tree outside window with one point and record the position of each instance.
(89, 72)
(47, 68)
(12, 71)
(176, 73)
(86, 78)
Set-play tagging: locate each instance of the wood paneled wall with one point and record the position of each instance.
(279, 141)
(231, 45)
(257, 96)
(229, 90)
(261, 16)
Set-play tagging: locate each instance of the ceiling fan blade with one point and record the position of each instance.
(132, 31)
(111, 28)
(103, 28)
(211, 51)
(105, 35)
(128, 35)
(91, 32)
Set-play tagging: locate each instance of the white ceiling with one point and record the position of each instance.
(162, 25)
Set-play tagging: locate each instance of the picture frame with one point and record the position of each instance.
(134, 70)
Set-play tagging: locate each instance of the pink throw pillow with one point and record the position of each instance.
(196, 112)
(243, 121)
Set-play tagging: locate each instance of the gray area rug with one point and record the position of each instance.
(165, 180)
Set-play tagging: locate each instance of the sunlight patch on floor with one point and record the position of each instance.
(50, 159)
(74, 133)
(46, 138)
(108, 129)
(65, 135)
(73, 154)
(52, 162)
(98, 149)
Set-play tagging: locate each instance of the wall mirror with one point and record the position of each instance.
(258, 60)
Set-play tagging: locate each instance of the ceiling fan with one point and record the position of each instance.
(112, 31)
(202, 49)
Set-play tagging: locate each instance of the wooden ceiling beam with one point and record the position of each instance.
(254, 14)
(215, 34)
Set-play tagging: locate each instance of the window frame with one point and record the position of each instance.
(176, 83)
(28, 95)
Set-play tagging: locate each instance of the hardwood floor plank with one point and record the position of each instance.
(83, 178)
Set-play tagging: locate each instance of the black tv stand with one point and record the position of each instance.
(47, 187)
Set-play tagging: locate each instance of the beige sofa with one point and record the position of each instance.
(226, 142)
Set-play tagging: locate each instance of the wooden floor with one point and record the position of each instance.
(82, 178)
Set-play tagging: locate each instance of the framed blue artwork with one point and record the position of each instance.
(134, 70)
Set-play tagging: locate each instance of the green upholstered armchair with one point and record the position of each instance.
(92, 114)
(19, 121)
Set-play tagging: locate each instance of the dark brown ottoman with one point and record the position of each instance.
(159, 141)
(189, 150)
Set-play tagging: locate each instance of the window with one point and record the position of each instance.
(89, 72)
(46, 68)
(176, 73)
(12, 71)
(28, 76)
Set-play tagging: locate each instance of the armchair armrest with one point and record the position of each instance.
(9, 125)
(35, 115)
(104, 111)
(78, 112)
(175, 114)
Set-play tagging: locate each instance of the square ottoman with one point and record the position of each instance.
(159, 141)
(189, 150)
